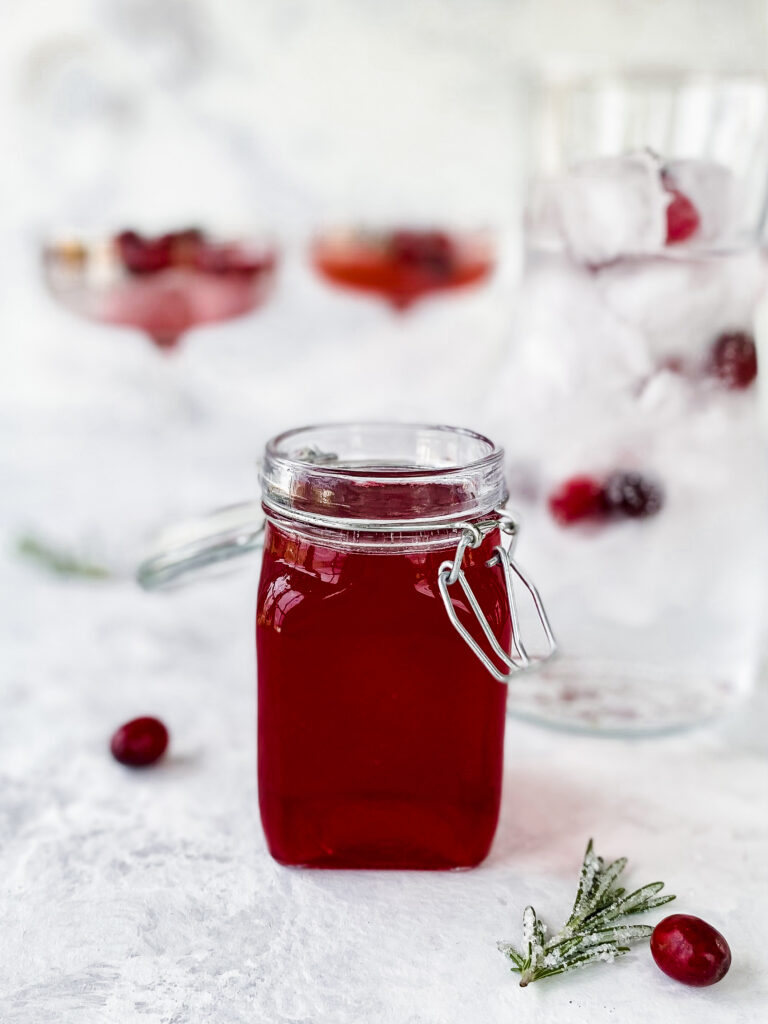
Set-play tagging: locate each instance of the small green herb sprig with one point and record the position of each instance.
(59, 562)
(593, 932)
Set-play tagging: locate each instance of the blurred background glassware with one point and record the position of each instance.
(716, 117)
(636, 458)
(403, 265)
(162, 285)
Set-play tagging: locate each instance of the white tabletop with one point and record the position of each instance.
(149, 896)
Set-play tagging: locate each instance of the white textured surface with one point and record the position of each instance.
(149, 896)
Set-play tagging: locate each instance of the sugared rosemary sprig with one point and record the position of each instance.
(593, 932)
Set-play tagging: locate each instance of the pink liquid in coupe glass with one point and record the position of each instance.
(163, 286)
(380, 732)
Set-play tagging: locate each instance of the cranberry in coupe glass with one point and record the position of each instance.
(386, 628)
(162, 285)
(403, 266)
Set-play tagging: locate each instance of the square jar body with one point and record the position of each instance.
(380, 734)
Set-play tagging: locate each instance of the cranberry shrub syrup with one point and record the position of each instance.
(380, 732)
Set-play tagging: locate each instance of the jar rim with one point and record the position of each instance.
(494, 451)
(381, 471)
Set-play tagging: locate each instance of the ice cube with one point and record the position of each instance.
(571, 372)
(570, 338)
(611, 207)
(710, 187)
(681, 305)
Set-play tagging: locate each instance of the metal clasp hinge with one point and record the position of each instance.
(450, 573)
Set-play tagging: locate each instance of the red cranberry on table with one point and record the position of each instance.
(690, 950)
(682, 217)
(733, 359)
(632, 495)
(140, 742)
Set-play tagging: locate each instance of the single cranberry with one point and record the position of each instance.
(632, 495)
(431, 251)
(733, 359)
(690, 950)
(144, 255)
(139, 742)
(577, 500)
(682, 217)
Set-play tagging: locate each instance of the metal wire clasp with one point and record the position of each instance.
(450, 573)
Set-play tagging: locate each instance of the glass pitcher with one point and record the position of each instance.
(636, 453)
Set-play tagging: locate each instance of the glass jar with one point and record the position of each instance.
(636, 456)
(386, 615)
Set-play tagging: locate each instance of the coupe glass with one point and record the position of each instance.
(403, 265)
(163, 285)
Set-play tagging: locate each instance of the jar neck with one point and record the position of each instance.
(394, 537)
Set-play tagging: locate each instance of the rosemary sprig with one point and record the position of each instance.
(57, 561)
(593, 932)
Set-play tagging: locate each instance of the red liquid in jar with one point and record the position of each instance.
(403, 266)
(380, 734)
